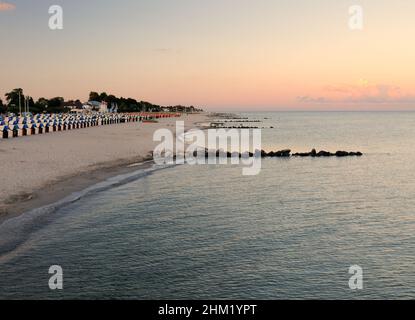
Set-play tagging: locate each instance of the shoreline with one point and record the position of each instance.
(51, 190)
(65, 186)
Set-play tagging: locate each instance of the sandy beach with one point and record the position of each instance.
(37, 170)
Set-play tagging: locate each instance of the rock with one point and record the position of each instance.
(286, 153)
(356, 154)
(323, 153)
(283, 153)
(342, 154)
(302, 154)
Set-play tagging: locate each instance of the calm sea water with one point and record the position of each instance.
(208, 232)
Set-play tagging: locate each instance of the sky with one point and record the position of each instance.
(218, 54)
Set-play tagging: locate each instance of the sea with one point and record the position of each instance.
(303, 228)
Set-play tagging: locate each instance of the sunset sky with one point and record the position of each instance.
(218, 54)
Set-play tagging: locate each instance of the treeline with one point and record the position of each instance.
(132, 105)
(58, 104)
(124, 104)
(16, 101)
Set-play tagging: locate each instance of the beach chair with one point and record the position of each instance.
(5, 132)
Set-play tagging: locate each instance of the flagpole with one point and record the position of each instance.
(20, 105)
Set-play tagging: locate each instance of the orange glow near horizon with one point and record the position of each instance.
(232, 55)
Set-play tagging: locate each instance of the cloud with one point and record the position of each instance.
(364, 93)
(308, 99)
(4, 6)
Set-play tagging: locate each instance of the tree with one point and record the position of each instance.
(102, 97)
(94, 96)
(55, 105)
(31, 104)
(40, 105)
(78, 104)
(13, 98)
(3, 108)
(111, 99)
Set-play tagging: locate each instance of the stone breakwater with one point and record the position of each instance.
(323, 153)
(286, 153)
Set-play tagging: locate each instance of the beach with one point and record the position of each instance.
(38, 170)
(208, 232)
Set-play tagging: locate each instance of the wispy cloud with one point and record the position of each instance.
(363, 93)
(308, 99)
(5, 6)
